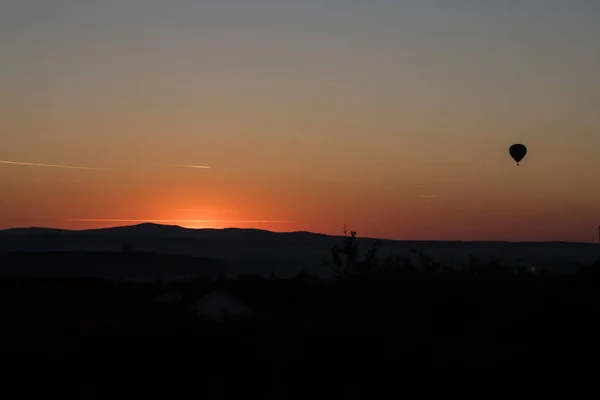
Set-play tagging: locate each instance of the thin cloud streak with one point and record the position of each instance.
(192, 166)
(173, 220)
(50, 165)
(458, 163)
(185, 166)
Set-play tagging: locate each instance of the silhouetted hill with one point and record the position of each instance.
(261, 251)
(108, 265)
(33, 231)
(141, 230)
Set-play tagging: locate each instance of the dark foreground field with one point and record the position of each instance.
(301, 331)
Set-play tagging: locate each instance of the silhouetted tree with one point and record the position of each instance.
(345, 261)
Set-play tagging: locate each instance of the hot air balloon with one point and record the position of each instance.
(517, 152)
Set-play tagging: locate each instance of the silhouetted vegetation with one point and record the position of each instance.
(413, 310)
(345, 258)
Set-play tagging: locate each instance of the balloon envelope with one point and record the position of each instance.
(517, 152)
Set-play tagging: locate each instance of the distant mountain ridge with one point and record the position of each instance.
(143, 229)
(148, 229)
(262, 251)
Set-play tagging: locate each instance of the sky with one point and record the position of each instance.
(394, 117)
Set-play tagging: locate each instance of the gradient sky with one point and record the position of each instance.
(394, 117)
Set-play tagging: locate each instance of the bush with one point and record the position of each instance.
(345, 262)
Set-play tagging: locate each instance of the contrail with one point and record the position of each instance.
(185, 166)
(192, 166)
(50, 165)
(458, 163)
(171, 220)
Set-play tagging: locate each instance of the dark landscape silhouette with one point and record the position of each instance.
(254, 251)
(407, 119)
(81, 305)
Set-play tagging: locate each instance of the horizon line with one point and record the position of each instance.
(173, 220)
(325, 234)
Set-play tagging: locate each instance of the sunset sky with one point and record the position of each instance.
(394, 117)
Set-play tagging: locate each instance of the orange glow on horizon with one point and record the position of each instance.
(205, 115)
(406, 212)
